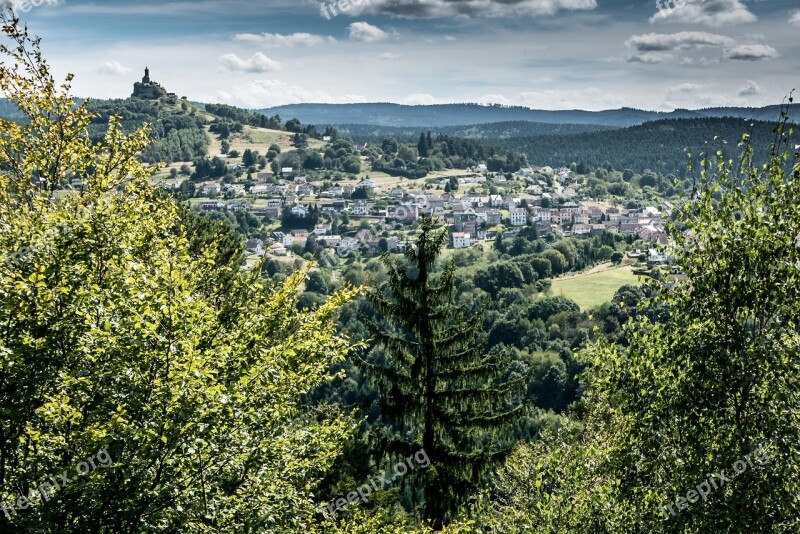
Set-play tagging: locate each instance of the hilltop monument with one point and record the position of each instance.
(148, 89)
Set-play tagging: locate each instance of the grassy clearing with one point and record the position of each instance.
(594, 289)
(258, 139)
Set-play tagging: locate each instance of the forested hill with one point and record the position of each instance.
(659, 145)
(177, 128)
(384, 114)
(496, 130)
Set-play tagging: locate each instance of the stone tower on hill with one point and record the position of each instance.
(148, 89)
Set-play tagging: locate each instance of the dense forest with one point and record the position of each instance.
(661, 146)
(177, 129)
(496, 130)
(150, 384)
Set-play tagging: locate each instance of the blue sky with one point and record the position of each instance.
(545, 54)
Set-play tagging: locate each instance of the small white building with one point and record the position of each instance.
(461, 240)
(322, 229)
(518, 216)
(366, 183)
(543, 215)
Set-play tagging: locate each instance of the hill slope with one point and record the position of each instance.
(659, 145)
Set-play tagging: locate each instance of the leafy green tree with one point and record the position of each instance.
(504, 274)
(438, 390)
(352, 165)
(317, 283)
(558, 263)
(115, 339)
(565, 248)
(389, 146)
(293, 125)
(692, 425)
(542, 267)
(546, 307)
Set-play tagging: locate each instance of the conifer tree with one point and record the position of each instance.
(422, 146)
(438, 390)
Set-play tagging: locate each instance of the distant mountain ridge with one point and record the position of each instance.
(494, 130)
(440, 115)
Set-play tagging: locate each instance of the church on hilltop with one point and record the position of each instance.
(147, 89)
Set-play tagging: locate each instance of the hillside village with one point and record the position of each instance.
(369, 199)
(550, 206)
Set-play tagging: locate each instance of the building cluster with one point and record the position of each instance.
(549, 203)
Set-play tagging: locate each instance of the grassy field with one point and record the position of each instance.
(590, 290)
(257, 139)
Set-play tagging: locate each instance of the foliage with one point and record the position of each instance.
(699, 386)
(178, 135)
(115, 337)
(438, 391)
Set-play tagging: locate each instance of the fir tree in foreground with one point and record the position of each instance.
(438, 390)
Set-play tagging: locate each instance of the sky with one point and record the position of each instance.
(543, 54)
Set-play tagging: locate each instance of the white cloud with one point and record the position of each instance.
(750, 89)
(366, 32)
(269, 93)
(389, 56)
(650, 58)
(277, 40)
(115, 68)
(591, 98)
(257, 63)
(420, 99)
(663, 42)
(692, 95)
(713, 13)
(751, 52)
(493, 99)
(429, 9)
(659, 47)
(795, 18)
(705, 61)
(684, 88)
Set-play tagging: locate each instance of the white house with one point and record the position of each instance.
(210, 187)
(461, 240)
(542, 214)
(256, 246)
(518, 216)
(299, 211)
(366, 184)
(322, 229)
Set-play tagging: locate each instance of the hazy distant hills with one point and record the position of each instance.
(397, 115)
(495, 130)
